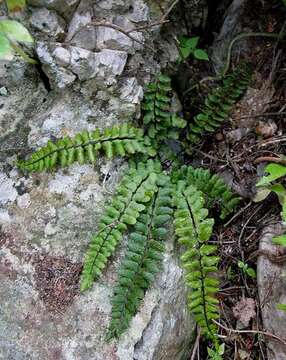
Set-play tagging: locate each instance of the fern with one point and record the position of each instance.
(194, 228)
(160, 121)
(85, 146)
(136, 189)
(142, 260)
(213, 187)
(218, 103)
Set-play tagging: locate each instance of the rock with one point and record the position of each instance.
(113, 39)
(272, 290)
(48, 22)
(63, 7)
(7, 190)
(139, 11)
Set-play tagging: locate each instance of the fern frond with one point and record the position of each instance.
(219, 103)
(193, 229)
(85, 146)
(160, 121)
(134, 192)
(142, 260)
(215, 190)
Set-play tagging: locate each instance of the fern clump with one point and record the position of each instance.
(193, 229)
(148, 198)
(142, 259)
(218, 103)
(135, 190)
(85, 147)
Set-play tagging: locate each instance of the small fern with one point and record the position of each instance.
(85, 146)
(159, 119)
(136, 189)
(194, 228)
(218, 103)
(142, 260)
(213, 187)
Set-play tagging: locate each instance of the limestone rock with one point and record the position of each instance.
(63, 7)
(48, 22)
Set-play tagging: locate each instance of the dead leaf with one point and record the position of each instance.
(244, 311)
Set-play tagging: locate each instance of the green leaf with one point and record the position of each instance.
(15, 5)
(261, 194)
(251, 272)
(6, 51)
(15, 31)
(201, 54)
(279, 240)
(185, 52)
(281, 307)
(275, 171)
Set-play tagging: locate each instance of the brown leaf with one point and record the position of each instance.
(244, 310)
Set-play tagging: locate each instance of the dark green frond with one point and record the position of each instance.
(84, 147)
(193, 229)
(213, 187)
(143, 258)
(219, 103)
(134, 192)
(159, 119)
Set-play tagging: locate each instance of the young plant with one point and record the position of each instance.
(146, 202)
(246, 269)
(272, 183)
(188, 46)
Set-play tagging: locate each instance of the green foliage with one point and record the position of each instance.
(268, 184)
(84, 147)
(188, 46)
(217, 353)
(281, 307)
(193, 229)
(159, 120)
(135, 190)
(11, 33)
(15, 5)
(142, 259)
(213, 187)
(218, 104)
(247, 270)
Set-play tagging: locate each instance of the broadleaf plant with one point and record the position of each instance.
(188, 46)
(148, 199)
(13, 34)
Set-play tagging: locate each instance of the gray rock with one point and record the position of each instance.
(113, 39)
(139, 11)
(48, 22)
(63, 7)
(272, 290)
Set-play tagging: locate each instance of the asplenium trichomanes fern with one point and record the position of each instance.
(147, 199)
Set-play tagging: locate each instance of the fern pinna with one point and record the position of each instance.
(148, 197)
(218, 103)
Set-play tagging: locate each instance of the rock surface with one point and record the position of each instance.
(271, 277)
(47, 219)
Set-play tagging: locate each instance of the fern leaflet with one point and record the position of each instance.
(193, 229)
(142, 260)
(219, 102)
(135, 190)
(85, 146)
(213, 187)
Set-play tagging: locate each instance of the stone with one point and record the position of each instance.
(48, 22)
(271, 281)
(83, 63)
(109, 38)
(139, 11)
(63, 7)
(7, 190)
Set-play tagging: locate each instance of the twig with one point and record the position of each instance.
(167, 13)
(273, 336)
(262, 115)
(270, 159)
(148, 26)
(196, 344)
(237, 214)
